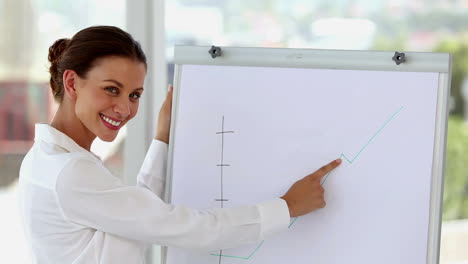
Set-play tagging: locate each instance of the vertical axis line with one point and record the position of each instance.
(222, 162)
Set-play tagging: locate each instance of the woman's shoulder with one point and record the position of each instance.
(81, 171)
(45, 163)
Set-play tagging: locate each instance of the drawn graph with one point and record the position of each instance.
(343, 156)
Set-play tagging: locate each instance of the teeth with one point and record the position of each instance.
(112, 122)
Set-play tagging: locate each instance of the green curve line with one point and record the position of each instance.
(350, 161)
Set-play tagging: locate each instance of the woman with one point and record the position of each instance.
(76, 211)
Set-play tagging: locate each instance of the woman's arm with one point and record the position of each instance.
(152, 174)
(90, 196)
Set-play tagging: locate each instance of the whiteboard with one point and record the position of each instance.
(272, 116)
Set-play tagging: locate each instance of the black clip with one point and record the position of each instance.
(399, 58)
(215, 52)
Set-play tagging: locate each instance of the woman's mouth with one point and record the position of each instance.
(110, 123)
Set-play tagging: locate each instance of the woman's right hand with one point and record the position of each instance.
(164, 119)
(306, 195)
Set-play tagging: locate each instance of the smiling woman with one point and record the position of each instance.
(74, 209)
(97, 77)
(104, 100)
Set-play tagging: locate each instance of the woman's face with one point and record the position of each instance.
(109, 95)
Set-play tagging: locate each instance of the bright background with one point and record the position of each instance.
(29, 27)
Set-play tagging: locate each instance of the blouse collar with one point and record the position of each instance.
(49, 134)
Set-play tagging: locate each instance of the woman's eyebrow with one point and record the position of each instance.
(114, 81)
(120, 84)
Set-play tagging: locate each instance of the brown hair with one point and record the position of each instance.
(81, 51)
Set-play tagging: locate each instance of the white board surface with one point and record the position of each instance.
(281, 124)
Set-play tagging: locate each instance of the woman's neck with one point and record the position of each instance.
(66, 121)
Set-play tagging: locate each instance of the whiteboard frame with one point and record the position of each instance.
(341, 60)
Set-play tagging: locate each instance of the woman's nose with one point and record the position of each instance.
(122, 107)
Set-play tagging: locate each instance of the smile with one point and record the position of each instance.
(108, 121)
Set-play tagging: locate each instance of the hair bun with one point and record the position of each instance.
(56, 50)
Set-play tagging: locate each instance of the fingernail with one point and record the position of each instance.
(338, 161)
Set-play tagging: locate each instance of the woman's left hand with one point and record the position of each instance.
(164, 119)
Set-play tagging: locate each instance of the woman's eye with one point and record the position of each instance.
(112, 90)
(135, 95)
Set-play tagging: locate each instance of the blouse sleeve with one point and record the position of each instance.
(152, 174)
(90, 195)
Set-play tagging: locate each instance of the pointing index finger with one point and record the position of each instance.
(327, 168)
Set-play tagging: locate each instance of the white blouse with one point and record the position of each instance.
(75, 211)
